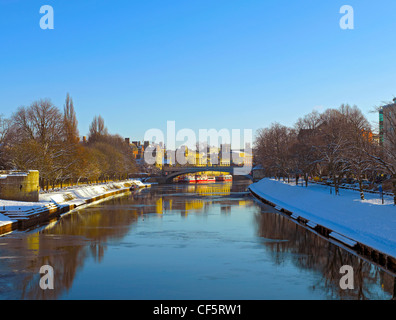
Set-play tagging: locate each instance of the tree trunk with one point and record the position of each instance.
(336, 188)
(361, 188)
(394, 188)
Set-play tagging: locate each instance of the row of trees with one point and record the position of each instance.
(337, 143)
(41, 137)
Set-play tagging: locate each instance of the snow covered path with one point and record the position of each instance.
(368, 221)
(77, 195)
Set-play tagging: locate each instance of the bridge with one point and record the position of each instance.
(169, 173)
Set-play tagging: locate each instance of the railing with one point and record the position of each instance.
(181, 168)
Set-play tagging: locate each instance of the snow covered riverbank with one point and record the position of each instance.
(73, 196)
(366, 221)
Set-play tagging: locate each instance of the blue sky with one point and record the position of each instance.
(202, 63)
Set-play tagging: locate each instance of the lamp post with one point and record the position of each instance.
(381, 193)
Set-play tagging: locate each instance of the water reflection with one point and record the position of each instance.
(64, 245)
(194, 198)
(81, 240)
(309, 251)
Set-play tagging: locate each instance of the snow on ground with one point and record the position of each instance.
(79, 194)
(5, 220)
(72, 195)
(10, 205)
(366, 221)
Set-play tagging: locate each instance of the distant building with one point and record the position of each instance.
(258, 173)
(376, 138)
(242, 158)
(210, 156)
(387, 122)
(225, 148)
(225, 154)
(138, 150)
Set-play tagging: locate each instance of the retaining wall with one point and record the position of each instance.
(32, 217)
(372, 255)
(20, 186)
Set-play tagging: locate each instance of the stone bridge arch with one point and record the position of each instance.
(173, 172)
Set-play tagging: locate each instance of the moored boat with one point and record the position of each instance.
(187, 179)
(211, 179)
(201, 179)
(224, 178)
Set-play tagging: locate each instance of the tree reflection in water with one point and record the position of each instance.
(69, 243)
(64, 245)
(309, 251)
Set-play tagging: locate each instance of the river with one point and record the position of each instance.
(185, 242)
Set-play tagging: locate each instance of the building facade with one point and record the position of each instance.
(387, 124)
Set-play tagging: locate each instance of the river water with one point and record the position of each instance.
(182, 242)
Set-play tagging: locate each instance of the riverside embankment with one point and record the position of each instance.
(182, 241)
(364, 226)
(21, 215)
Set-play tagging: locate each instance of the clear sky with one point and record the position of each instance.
(202, 63)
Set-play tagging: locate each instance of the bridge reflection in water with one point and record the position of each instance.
(169, 174)
(126, 229)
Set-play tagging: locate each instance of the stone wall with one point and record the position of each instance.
(258, 174)
(19, 186)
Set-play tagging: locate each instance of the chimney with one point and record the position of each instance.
(84, 139)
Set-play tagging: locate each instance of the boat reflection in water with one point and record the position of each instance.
(204, 178)
(209, 241)
(192, 198)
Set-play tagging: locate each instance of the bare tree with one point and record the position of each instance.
(332, 143)
(383, 157)
(360, 140)
(4, 137)
(272, 147)
(304, 153)
(70, 123)
(36, 139)
(97, 129)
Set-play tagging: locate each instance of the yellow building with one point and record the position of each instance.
(194, 158)
(159, 157)
(215, 157)
(241, 158)
(224, 162)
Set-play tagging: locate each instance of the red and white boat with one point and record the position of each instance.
(201, 179)
(224, 178)
(187, 179)
(211, 179)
